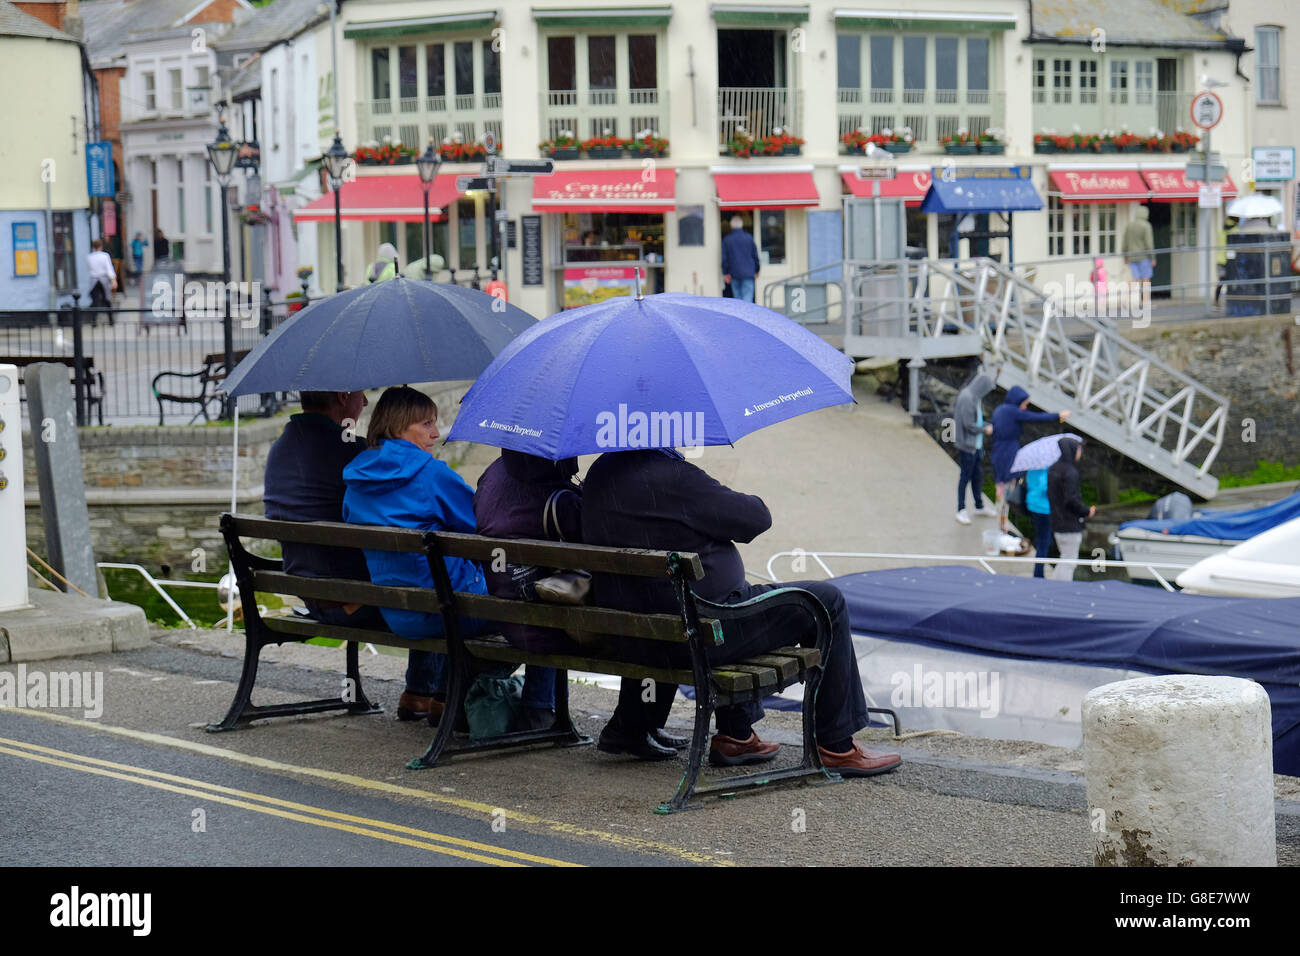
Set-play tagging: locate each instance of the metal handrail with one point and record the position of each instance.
(980, 559)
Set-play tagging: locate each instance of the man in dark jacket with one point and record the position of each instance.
(969, 431)
(1069, 513)
(655, 499)
(740, 260)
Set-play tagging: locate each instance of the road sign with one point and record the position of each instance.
(466, 183)
(1207, 109)
(877, 172)
(1199, 173)
(1274, 163)
(524, 167)
(1209, 196)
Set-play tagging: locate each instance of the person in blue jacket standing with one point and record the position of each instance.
(740, 260)
(398, 482)
(1007, 421)
(1039, 509)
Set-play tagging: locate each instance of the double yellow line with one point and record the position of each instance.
(285, 809)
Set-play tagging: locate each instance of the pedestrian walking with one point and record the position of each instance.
(740, 260)
(1040, 510)
(137, 254)
(1007, 421)
(103, 280)
(1138, 241)
(162, 249)
(385, 264)
(1069, 514)
(969, 430)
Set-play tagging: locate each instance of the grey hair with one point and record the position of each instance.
(737, 222)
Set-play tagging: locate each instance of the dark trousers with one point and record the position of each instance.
(1042, 540)
(841, 706)
(972, 473)
(99, 296)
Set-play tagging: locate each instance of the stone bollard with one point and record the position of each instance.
(1180, 772)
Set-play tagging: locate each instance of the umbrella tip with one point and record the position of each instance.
(636, 271)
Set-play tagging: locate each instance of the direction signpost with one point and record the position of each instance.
(1207, 112)
(496, 168)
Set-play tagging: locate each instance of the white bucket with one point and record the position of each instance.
(992, 538)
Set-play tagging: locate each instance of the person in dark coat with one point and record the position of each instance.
(740, 260)
(656, 499)
(512, 501)
(1007, 421)
(1069, 513)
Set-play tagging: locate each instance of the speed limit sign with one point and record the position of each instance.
(1207, 109)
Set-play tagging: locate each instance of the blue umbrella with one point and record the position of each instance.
(1042, 453)
(660, 371)
(388, 333)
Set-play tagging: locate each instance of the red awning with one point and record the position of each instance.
(911, 185)
(606, 190)
(1099, 185)
(383, 199)
(766, 189)
(1170, 185)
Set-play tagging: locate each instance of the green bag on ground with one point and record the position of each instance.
(491, 705)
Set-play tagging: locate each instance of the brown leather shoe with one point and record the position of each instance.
(859, 762)
(418, 707)
(727, 751)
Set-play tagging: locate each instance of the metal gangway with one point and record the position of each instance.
(1120, 394)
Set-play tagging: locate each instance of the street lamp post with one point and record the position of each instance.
(336, 160)
(221, 153)
(427, 164)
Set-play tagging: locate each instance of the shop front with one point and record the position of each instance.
(608, 229)
(1173, 209)
(771, 202)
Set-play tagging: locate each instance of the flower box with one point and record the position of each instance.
(789, 150)
(563, 152)
(1044, 147)
(855, 149)
(1107, 148)
(895, 147)
(959, 149)
(992, 149)
(604, 152)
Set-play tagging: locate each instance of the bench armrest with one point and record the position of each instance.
(161, 375)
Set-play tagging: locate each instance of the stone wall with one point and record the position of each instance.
(1253, 362)
(156, 493)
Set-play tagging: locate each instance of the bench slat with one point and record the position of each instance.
(807, 656)
(328, 533)
(551, 554)
(763, 676)
(302, 627)
(787, 668)
(655, 627)
(348, 592)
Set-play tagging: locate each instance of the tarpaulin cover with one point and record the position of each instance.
(1227, 525)
(1102, 622)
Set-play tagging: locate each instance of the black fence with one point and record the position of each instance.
(160, 363)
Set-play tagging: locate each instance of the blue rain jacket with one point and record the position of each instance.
(400, 485)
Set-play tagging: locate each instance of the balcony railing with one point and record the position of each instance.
(588, 113)
(930, 114)
(1135, 110)
(413, 119)
(758, 110)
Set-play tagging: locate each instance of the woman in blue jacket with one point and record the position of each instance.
(1007, 419)
(398, 482)
(1039, 509)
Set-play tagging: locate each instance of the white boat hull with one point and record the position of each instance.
(1267, 565)
(1169, 553)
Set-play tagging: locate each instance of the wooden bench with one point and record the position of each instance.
(205, 382)
(715, 686)
(92, 381)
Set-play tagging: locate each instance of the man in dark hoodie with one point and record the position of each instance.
(1069, 513)
(656, 499)
(1007, 420)
(969, 431)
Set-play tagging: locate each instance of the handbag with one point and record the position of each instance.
(546, 584)
(1016, 493)
(492, 703)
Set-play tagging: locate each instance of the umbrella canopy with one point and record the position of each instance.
(1042, 453)
(662, 371)
(1254, 206)
(382, 334)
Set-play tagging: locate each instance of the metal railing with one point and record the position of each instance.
(758, 110)
(1140, 111)
(623, 112)
(928, 114)
(415, 119)
(979, 560)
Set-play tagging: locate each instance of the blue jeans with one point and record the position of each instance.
(1042, 540)
(425, 671)
(743, 288)
(972, 473)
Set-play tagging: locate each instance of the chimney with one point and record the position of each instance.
(71, 17)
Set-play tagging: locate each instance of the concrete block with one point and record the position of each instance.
(1179, 772)
(68, 625)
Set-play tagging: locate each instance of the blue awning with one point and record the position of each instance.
(963, 196)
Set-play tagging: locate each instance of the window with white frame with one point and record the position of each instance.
(150, 92)
(1143, 81)
(1040, 79)
(1081, 229)
(1087, 81)
(177, 89)
(1107, 216)
(603, 83)
(1268, 66)
(1062, 79)
(1182, 232)
(1119, 82)
(1055, 226)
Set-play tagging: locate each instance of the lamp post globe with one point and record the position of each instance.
(427, 165)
